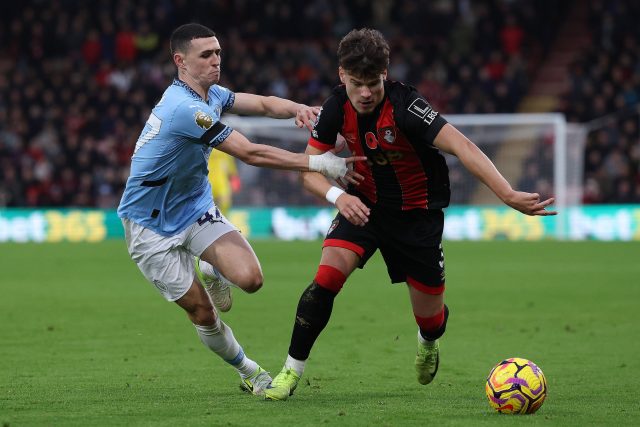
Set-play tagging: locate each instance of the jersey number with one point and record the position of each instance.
(384, 158)
(151, 129)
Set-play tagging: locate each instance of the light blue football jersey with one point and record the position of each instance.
(168, 189)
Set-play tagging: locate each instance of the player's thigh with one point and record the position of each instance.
(423, 270)
(411, 245)
(413, 254)
(209, 228)
(345, 260)
(348, 246)
(234, 257)
(217, 241)
(419, 266)
(162, 260)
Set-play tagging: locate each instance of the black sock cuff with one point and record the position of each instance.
(434, 335)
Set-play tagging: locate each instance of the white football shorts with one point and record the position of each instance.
(167, 262)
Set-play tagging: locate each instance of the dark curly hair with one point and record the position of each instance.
(364, 53)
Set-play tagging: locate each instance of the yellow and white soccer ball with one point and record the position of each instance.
(516, 386)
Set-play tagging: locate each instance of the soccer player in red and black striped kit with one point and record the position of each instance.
(397, 208)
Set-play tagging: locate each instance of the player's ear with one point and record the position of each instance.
(178, 59)
(384, 75)
(341, 74)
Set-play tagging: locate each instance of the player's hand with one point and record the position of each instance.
(352, 208)
(529, 203)
(351, 177)
(306, 116)
(332, 166)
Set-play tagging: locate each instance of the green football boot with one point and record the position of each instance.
(427, 361)
(282, 385)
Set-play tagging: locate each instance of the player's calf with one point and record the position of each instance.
(314, 310)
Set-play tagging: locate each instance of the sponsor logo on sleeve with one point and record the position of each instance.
(203, 120)
(422, 109)
(317, 118)
(314, 132)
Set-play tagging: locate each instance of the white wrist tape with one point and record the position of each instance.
(333, 194)
(328, 164)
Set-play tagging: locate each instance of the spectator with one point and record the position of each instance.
(611, 173)
(75, 90)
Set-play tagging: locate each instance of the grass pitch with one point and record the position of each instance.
(85, 340)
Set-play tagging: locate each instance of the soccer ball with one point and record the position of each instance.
(516, 386)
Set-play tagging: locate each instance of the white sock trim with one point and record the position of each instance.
(422, 341)
(295, 364)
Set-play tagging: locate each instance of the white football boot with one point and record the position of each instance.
(218, 290)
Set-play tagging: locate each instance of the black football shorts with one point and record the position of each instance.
(410, 243)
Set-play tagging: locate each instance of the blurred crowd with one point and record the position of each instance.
(605, 91)
(78, 79)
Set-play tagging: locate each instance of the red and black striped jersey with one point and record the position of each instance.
(404, 170)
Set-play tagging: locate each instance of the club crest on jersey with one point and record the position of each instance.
(203, 120)
(334, 224)
(388, 134)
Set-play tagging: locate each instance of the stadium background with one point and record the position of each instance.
(79, 78)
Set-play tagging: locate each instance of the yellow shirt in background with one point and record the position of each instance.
(222, 168)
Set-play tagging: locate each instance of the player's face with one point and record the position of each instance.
(364, 93)
(202, 61)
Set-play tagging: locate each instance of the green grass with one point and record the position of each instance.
(85, 340)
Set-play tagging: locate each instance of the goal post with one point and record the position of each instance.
(529, 149)
(535, 152)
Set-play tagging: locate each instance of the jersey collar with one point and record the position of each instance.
(178, 82)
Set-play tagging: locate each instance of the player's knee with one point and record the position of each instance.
(330, 278)
(253, 284)
(250, 280)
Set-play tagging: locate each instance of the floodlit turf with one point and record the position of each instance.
(84, 340)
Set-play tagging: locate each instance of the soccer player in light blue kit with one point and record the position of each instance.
(167, 209)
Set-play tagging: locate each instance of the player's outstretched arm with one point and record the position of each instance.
(276, 158)
(351, 207)
(278, 108)
(452, 141)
